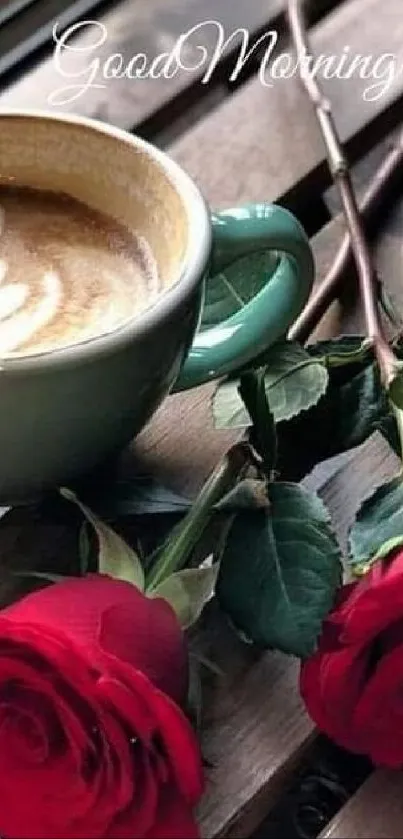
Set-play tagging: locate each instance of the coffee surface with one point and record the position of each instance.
(67, 273)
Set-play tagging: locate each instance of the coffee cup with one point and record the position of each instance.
(65, 410)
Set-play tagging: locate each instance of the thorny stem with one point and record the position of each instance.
(387, 361)
(184, 538)
(384, 184)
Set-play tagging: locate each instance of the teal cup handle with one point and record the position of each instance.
(248, 232)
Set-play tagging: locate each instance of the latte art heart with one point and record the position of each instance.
(67, 273)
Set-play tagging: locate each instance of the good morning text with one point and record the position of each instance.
(97, 69)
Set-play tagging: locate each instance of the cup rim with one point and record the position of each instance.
(194, 261)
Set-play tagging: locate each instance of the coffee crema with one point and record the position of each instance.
(67, 273)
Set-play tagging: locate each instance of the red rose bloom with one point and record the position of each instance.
(92, 741)
(353, 685)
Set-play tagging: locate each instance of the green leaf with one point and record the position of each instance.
(345, 349)
(134, 496)
(294, 382)
(229, 291)
(84, 549)
(396, 388)
(281, 570)
(354, 406)
(378, 528)
(263, 436)
(41, 575)
(229, 410)
(249, 494)
(183, 539)
(116, 558)
(188, 592)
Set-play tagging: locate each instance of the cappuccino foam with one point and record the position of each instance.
(67, 273)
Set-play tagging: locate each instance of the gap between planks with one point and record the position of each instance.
(159, 109)
(256, 732)
(139, 26)
(270, 135)
(376, 810)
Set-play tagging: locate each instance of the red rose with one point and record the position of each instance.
(353, 685)
(92, 741)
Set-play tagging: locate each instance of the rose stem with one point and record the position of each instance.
(186, 535)
(387, 361)
(382, 186)
(176, 553)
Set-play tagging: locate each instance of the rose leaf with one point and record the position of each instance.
(188, 592)
(138, 495)
(341, 351)
(294, 382)
(263, 435)
(280, 571)
(84, 548)
(41, 575)
(249, 494)
(228, 291)
(378, 528)
(115, 558)
(396, 388)
(354, 406)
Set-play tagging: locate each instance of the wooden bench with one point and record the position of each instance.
(245, 143)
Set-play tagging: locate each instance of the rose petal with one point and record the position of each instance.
(374, 603)
(71, 794)
(182, 747)
(330, 685)
(174, 820)
(168, 721)
(156, 638)
(138, 818)
(97, 610)
(125, 756)
(130, 702)
(379, 712)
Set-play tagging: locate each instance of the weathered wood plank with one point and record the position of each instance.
(243, 783)
(375, 810)
(363, 170)
(175, 429)
(26, 25)
(254, 734)
(255, 748)
(270, 137)
(255, 730)
(371, 465)
(138, 26)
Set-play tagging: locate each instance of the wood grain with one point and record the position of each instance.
(371, 465)
(362, 171)
(375, 810)
(271, 141)
(134, 26)
(26, 25)
(249, 770)
(255, 730)
(255, 734)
